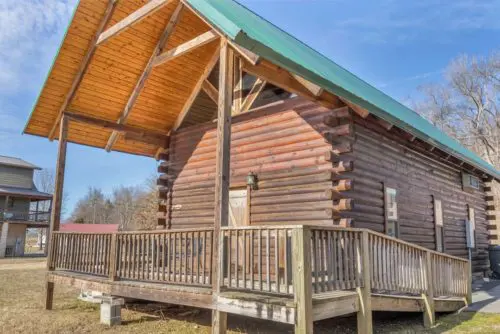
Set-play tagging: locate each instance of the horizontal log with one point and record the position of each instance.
(293, 207)
(296, 198)
(345, 222)
(490, 208)
(296, 180)
(293, 216)
(340, 130)
(162, 168)
(163, 156)
(344, 204)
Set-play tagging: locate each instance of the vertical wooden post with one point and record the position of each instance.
(428, 297)
(469, 281)
(365, 325)
(55, 218)
(302, 279)
(112, 257)
(222, 176)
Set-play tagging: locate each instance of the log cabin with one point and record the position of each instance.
(290, 189)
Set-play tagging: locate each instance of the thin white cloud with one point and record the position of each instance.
(30, 31)
(401, 21)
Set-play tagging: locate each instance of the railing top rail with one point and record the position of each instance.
(381, 235)
(261, 227)
(204, 229)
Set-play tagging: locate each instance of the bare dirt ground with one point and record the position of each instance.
(21, 311)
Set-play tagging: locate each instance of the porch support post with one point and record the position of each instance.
(222, 177)
(302, 279)
(55, 218)
(428, 297)
(365, 325)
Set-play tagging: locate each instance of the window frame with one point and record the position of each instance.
(387, 221)
(439, 224)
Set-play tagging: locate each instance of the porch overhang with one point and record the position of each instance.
(146, 65)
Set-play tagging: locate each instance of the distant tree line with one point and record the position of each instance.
(131, 207)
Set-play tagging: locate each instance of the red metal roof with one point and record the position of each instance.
(89, 228)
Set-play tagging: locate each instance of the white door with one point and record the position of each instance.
(238, 207)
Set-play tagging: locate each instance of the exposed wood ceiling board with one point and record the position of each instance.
(134, 18)
(213, 48)
(184, 48)
(167, 32)
(82, 68)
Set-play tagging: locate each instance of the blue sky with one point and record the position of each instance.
(395, 45)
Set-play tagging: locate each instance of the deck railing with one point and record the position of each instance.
(264, 259)
(258, 258)
(175, 256)
(87, 253)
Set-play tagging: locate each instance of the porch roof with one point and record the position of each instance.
(113, 87)
(23, 192)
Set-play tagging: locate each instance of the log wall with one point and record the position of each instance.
(321, 167)
(288, 146)
(417, 178)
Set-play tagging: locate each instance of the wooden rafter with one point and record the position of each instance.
(313, 88)
(83, 66)
(360, 111)
(283, 79)
(140, 14)
(189, 102)
(238, 85)
(167, 32)
(189, 46)
(133, 133)
(257, 88)
(210, 90)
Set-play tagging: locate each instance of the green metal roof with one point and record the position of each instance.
(256, 34)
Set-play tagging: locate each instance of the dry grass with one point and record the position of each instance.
(21, 311)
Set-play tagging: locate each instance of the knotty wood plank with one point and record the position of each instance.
(83, 65)
(169, 28)
(140, 14)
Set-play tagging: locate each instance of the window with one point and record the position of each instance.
(438, 221)
(469, 182)
(470, 228)
(391, 212)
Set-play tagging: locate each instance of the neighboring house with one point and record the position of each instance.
(22, 206)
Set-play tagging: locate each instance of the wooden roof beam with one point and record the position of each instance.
(283, 79)
(130, 132)
(313, 88)
(196, 90)
(140, 14)
(167, 32)
(257, 88)
(210, 90)
(189, 46)
(83, 66)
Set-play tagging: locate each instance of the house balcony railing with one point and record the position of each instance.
(25, 216)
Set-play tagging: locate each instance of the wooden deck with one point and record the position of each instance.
(287, 274)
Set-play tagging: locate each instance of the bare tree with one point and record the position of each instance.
(466, 105)
(45, 182)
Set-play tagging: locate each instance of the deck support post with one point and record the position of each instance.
(55, 218)
(428, 297)
(222, 177)
(365, 325)
(302, 279)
